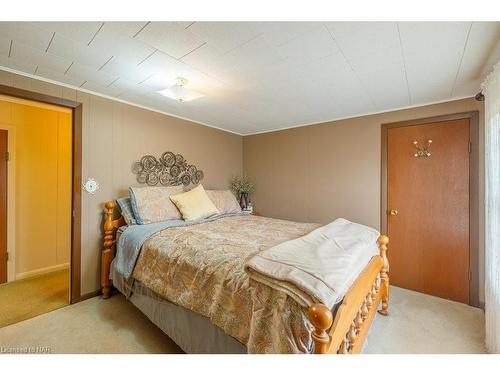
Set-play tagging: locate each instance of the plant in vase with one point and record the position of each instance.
(242, 187)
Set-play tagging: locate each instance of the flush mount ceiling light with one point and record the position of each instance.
(178, 91)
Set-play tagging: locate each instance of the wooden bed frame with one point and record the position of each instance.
(343, 335)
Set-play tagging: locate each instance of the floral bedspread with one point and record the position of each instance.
(200, 267)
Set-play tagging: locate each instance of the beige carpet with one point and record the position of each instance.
(26, 298)
(418, 324)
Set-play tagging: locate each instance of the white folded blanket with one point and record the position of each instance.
(318, 267)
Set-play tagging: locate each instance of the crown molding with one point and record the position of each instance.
(47, 80)
(360, 115)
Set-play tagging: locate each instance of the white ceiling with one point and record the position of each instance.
(260, 76)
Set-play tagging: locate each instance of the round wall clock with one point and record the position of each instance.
(90, 186)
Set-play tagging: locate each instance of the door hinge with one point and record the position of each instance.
(73, 213)
(470, 147)
(7, 156)
(7, 256)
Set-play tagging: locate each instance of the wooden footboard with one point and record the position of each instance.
(108, 253)
(347, 333)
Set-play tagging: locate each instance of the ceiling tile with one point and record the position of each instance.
(280, 73)
(394, 93)
(22, 52)
(467, 88)
(27, 33)
(329, 70)
(120, 45)
(277, 33)
(124, 87)
(23, 66)
(483, 37)
(98, 77)
(79, 31)
(431, 77)
(170, 38)
(127, 28)
(59, 77)
(206, 58)
(184, 24)
(432, 37)
(358, 39)
(313, 44)
(388, 58)
(255, 54)
(160, 62)
(165, 70)
(432, 52)
(131, 72)
(77, 51)
(224, 36)
(382, 75)
(111, 90)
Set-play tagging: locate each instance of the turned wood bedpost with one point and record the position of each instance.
(321, 318)
(384, 276)
(107, 254)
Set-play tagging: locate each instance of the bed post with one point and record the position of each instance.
(107, 254)
(321, 318)
(384, 276)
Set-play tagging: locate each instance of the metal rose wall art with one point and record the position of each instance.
(169, 170)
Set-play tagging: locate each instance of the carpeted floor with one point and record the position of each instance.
(26, 298)
(417, 324)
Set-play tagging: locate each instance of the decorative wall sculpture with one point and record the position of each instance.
(169, 170)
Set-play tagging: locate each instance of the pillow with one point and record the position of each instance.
(126, 209)
(151, 204)
(224, 200)
(194, 204)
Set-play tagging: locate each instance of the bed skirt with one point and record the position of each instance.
(192, 332)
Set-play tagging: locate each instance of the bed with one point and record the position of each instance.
(186, 290)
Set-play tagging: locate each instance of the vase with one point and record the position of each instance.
(243, 200)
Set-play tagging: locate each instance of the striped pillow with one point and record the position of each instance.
(126, 209)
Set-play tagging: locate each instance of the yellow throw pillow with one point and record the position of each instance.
(194, 204)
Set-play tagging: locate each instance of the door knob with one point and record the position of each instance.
(393, 212)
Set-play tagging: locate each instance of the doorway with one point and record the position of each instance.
(430, 205)
(4, 157)
(60, 143)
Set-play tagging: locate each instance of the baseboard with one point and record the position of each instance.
(85, 296)
(41, 271)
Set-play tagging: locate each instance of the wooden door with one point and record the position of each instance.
(3, 206)
(429, 196)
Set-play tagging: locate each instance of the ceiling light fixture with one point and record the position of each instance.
(179, 92)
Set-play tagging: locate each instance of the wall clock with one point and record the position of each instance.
(90, 186)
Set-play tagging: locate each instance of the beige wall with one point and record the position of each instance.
(115, 135)
(320, 172)
(39, 230)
